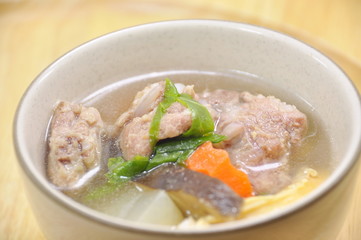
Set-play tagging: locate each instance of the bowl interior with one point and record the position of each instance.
(258, 55)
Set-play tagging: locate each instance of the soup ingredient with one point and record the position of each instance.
(137, 203)
(172, 150)
(156, 207)
(261, 133)
(74, 144)
(179, 149)
(121, 170)
(202, 122)
(176, 114)
(196, 194)
(133, 126)
(135, 139)
(144, 102)
(305, 182)
(216, 163)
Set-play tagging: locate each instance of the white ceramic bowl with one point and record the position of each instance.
(194, 45)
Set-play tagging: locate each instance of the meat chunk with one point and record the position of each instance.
(135, 140)
(261, 132)
(74, 143)
(135, 125)
(144, 102)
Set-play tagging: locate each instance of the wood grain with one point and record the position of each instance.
(33, 33)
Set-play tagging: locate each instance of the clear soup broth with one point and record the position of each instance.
(310, 163)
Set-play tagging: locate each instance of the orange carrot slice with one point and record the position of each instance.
(216, 163)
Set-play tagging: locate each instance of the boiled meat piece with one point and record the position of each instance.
(144, 102)
(135, 140)
(134, 125)
(261, 132)
(74, 143)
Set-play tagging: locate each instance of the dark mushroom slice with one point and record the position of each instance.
(196, 194)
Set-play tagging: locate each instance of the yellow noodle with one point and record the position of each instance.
(308, 180)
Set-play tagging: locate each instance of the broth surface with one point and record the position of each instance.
(115, 99)
(315, 152)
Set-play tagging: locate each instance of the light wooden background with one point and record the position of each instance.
(35, 33)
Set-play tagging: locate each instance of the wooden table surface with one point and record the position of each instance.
(33, 33)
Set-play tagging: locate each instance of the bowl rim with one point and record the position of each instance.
(76, 208)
